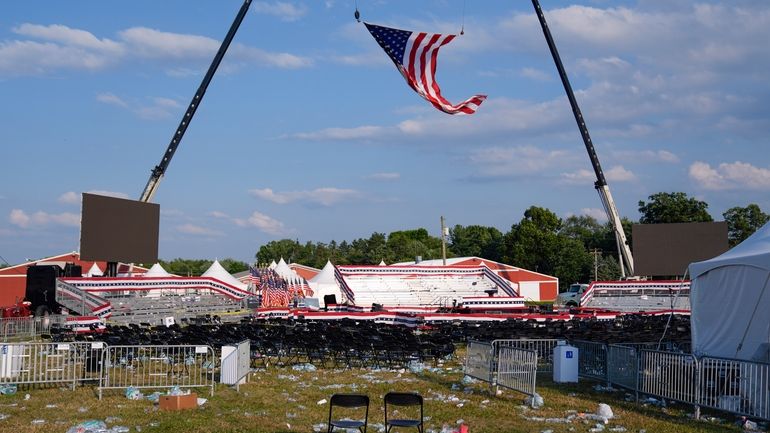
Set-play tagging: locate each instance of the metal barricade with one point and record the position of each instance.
(17, 327)
(479, 359)
(741, 387)
(49, 363)
(543, 347)
(673, 376)
(592, 359)
(158, 366)
(517, 369)
(623, 366)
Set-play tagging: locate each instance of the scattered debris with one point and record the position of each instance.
(88, 426)
(605, 411)
(602, 388)
(304, 367)
(536, 401)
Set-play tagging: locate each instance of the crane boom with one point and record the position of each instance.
(157, 173)
(626, 259)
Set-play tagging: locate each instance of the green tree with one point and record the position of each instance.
(532, 243)
(673, 207)
(405, 245)
(289, 250)
(742, 222)
(475, 240)
(585, 229)
(536, 243)
(234, 266)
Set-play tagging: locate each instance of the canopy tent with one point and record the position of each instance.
(217, 271)
(325, 283)
(156, 271)
(730, 301)
(95, 271)
(284, 271)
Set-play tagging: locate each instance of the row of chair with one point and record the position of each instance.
(358, 401)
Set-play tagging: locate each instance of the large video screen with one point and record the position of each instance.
(119, 230)
(668, 249)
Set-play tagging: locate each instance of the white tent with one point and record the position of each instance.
(217, 271)
(324, 283)
(730, 301)
(95, 271)
(156, 271)
(284, 271)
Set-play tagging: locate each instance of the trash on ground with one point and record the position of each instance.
(88, 426)
(605, 410)
(536, 401)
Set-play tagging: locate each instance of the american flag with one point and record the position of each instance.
(416, 55)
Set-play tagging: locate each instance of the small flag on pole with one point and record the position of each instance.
(416, 55)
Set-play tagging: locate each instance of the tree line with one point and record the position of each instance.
(576, 248)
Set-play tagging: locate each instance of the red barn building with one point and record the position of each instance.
(13, 279)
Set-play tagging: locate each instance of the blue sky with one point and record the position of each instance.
(308, 132)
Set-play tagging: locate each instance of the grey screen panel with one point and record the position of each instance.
(667, 249)
(119, 230)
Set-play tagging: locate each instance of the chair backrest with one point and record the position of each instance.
(403, 399)
(349, 400)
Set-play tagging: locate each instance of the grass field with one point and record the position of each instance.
(286, 400)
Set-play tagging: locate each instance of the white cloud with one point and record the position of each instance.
(218, 214)
(69, 197)
(266, 58)
(264, 223)
(357, 133)
(598, 214)
(68, 36)
(59, 47)
(21, 219)
(157, 107)
(515, 161)
(192, 229)
(580, 177)
(111, 99)
(643, 156)
(535, 74)
(283, 10)
(384, 176)
(619, 174)
(152, 43)
(730, 176)
(322, 196)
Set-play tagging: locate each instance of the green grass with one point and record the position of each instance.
(284, 400)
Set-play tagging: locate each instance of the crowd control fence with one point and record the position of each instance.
(158, 366)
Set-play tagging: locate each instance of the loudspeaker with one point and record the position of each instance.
(41, 286)
(377, 307)
(330, 299)
(73, 270)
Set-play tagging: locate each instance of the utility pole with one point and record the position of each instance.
(596, 253)
(444, 232)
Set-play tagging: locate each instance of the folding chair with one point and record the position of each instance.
(403, 399)
(349, 401)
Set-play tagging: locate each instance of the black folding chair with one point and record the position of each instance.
(349, 401)
(403, 399)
